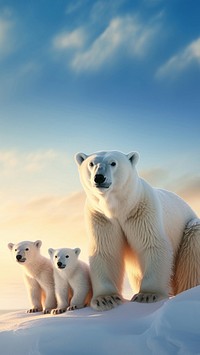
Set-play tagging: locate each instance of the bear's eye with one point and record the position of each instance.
(67, 256)
(56, 256)
(91, 164)
(15, 249)
(113, 163)
(27, 249)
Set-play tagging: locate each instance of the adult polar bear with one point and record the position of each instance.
(128, 220)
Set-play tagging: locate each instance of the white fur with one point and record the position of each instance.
(38, 274)
(72, 279)
(130, 221)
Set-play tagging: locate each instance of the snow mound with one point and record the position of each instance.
(167, 327)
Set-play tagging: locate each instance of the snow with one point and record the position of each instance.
(167, 327)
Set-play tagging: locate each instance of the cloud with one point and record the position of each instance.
(105, 10)
(35, 161)
(26, 162)
(28, 174)
(56, 219)
(16, 75)
(181, 61)
(155, 176)
(74, 6)
(189, 188)
(124, 36)
(7, 25)
(66, 40)
(8, 159)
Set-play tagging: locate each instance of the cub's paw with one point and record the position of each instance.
(147, 297)
(105, 303)
(34, 310)
(58, 310)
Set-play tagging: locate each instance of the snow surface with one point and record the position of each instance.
(164, 328)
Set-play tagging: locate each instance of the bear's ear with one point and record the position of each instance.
(133, 157)
(10, 246)
(80, 157)
(38, 243)
(77, 251)
(50, 251)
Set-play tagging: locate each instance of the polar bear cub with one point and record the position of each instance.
(129, 221)
(72, 279)
(38, 274)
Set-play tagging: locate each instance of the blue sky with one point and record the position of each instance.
(87, 76)
(91, 75)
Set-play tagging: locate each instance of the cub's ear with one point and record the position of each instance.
(77, 251)
(38, 243)
(80, 157)
(10, 246)
(50, 251)
(133, 157)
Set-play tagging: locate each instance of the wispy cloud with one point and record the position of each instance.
(181, 61)
(28, 174)
(16, 75)
(29, 162)
(189, 187)
(155, 176)
(56, 218)
(36, 161)
(104, 46)
(8, 159)
(74, 6)
(124, 36)
(105, 10)
(66, 40)
(7, 26)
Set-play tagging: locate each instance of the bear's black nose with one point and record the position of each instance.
(59, 263)
(99, 178)
(19, 257)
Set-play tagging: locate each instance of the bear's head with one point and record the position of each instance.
(105, 171)
(25, 252)
(64, 258)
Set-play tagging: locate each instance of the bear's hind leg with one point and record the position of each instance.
(187, 260)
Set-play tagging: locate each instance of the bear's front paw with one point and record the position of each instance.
(147, 297)
(34, 310)
(104, 303)
(72, 307)
(58, 310)
(47, 310)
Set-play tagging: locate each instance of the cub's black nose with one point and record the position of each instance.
(59, 263)
(99, 178)
(19, 257)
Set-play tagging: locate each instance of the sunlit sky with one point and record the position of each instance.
(86, 76)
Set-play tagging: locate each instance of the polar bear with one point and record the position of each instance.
(128, 221)
(38, 274)
(72, 279)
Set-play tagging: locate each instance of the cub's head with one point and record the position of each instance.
(25, 252)
(105, 171)
(64, 258)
